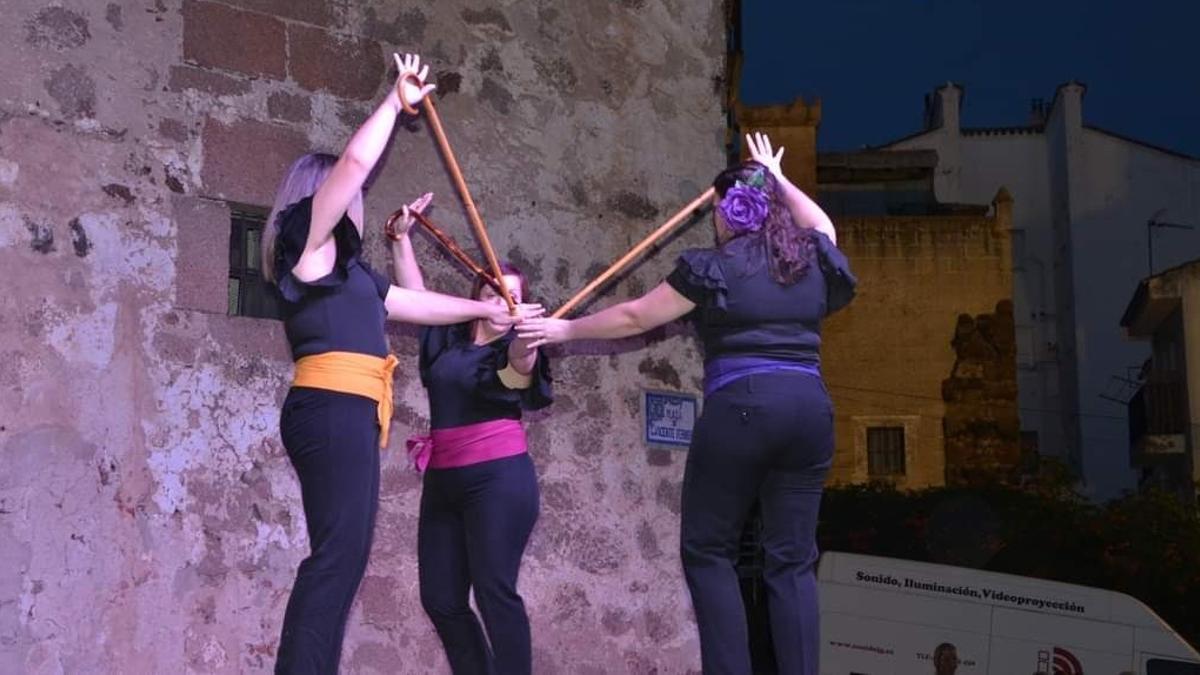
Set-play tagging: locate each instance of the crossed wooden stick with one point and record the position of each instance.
(496, 279)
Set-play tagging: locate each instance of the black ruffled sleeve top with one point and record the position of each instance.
(463, 384)
(343, 310)
(742, 311)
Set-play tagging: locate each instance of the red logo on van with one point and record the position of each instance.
(1064, 663)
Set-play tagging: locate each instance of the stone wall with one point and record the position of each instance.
(792, 126)
(151, 522)
(982, 429)
(887, 356)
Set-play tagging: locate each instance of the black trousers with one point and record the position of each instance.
(332, 440)
(769, 438)
(475, 522)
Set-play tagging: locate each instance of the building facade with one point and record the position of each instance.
(921, 366)
(1164, 414)
(1082, 199)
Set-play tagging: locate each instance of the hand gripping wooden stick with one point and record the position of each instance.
(389, 228)
(625, 260)
(435, 124)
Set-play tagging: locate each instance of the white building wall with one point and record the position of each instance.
(1071, 286)
(1124, 186)
(970, 170)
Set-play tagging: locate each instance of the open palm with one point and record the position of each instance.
(761, 152)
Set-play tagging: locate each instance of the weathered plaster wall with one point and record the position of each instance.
(150, 521)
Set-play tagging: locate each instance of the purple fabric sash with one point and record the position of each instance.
(723, 370)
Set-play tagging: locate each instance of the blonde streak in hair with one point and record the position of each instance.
(303, 178)
(271, 228)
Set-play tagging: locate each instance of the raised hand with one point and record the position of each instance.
(538, 331)
(409, 68)
(805, 212)
(761, 152)
(525, 311)
(418, 205)
(529, 310)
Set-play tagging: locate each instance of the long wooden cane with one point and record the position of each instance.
(435, 123)
(620, 265)
(389, 228)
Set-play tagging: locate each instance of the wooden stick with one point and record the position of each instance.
(389, 228)
(435, 123)
(620, 265)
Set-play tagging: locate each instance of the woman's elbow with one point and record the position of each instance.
(635, 319)
(650, 313)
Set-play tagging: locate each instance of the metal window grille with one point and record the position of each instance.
(885, 452)
(249, 294)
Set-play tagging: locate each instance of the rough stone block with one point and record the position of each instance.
(244, 161)
(218, 36)
(289, 107)
(407, 27)
(310, 11)
(182, 78)
(343, 66)
(202, 254)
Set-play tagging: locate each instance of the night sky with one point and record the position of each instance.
(871, 62)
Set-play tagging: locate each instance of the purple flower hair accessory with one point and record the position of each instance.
(745, 205)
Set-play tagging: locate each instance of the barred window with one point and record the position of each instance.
(249, 293)
(885, 452)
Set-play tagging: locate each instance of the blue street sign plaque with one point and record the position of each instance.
(670, 418)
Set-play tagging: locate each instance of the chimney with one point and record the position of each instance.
(1037, 112)
(942, 108)
(1069, 99)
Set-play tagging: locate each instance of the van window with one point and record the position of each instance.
(1169, 667)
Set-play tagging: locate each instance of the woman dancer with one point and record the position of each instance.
(479, 500)
(336, 415)
(766, 432)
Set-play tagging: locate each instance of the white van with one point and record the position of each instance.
(883, 616)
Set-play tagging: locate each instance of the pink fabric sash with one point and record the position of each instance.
(466, 445)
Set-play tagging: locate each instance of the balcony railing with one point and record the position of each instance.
(1158, 420)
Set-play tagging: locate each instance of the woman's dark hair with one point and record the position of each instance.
(789, 248)
(507, 269)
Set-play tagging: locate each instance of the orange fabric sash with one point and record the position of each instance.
(352, 373)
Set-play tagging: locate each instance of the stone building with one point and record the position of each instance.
(1083, 196)
(792, 126)
(149, 518)
(921, 366)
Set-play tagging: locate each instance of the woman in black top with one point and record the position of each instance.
(479, 500)
(766, 432)
(337, 413)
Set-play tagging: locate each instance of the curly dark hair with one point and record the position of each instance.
(789, 248)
